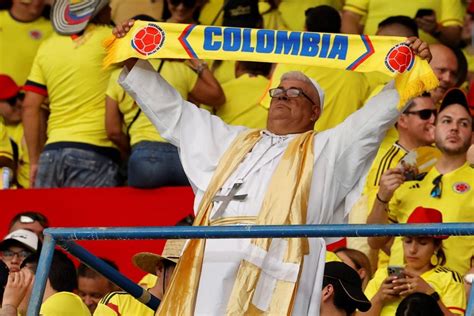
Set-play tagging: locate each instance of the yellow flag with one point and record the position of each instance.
(389, 55)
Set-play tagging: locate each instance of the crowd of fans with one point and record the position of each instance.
(66, 122)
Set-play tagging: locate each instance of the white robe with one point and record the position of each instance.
(342, 157)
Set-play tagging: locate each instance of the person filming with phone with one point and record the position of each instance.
(423, 272)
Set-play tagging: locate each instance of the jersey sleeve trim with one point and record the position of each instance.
(36, 88)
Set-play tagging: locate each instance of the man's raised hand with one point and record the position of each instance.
(420, 48)
(121, 29)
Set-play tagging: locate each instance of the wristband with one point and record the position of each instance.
(380, 200)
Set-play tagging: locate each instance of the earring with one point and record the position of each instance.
(434, 260)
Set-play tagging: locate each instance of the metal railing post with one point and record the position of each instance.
(42, 273)
(110, 273)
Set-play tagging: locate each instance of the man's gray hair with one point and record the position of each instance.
(299, 76)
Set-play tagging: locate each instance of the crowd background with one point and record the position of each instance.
(65, 122)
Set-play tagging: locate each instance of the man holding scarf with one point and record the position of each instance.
(285, 174)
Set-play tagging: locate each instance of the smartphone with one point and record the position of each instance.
(424, 12)
(396, 271)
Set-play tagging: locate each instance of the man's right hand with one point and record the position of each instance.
(120, 31)
(389, 182)
(17, 286)
(387, 292)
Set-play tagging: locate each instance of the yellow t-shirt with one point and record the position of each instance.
(148, 281)
(6, 149)
(20, 41)
(448, 12)
(272, 19)
(331, 256)
(64, 303)
(345, 91)
(224, 70)
(447, 283)
(456, 204)
(121, 304)
(209, 11)
(70, 72)
(293, 11)
(178, 74)
(23, 164)
(242, 102)
(127, 9)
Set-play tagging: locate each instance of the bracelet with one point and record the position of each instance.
(199, 68)
(380, 200)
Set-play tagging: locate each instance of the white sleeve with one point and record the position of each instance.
(201, 138)
(344, 154)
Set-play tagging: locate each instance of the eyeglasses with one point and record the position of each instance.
(437, 188)
(9, 254)
(290, 93)
(423, 114)
(186, 3)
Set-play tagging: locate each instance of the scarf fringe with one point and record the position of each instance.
(411, 89)
(112, 49)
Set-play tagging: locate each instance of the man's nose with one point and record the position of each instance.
(16, 259)
(88, 300)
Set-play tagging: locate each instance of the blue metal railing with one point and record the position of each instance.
(64, 236)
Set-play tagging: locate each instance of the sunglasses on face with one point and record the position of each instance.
(423, 114)
(9, 254)
(12, 101)
(186, 3)
(290, 93)
(437, 187)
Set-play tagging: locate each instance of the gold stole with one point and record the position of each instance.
(285, 203)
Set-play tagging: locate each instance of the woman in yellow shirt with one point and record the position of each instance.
(423, 272)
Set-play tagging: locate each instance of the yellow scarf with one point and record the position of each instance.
(386, 54)
(280, 206)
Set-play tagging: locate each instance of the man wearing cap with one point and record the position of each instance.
(448, 186)
(124, 304)
(11, 98)
(68, 70)
(342, 291)
(415, 128)
(243, 176)
(16, 246)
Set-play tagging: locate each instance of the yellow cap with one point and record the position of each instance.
(64, 304)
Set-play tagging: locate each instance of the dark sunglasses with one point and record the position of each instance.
(437, 187)
(423, 114)
(12, 101)
(186, 3)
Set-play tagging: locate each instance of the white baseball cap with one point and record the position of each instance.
(26, 238)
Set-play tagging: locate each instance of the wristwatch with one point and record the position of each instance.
(435, 295)
(469, 278)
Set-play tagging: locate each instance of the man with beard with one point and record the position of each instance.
(448, 186)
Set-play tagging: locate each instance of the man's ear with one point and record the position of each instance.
(327, 293)
(159, 268)
(362, 273)
(316, 113)
(402, 120)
